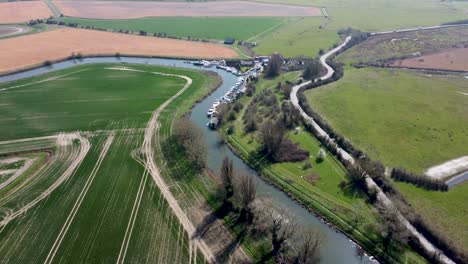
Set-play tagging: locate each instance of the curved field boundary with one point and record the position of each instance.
(27, 163)
(76, 206)
(151, 131)
(74, 159)
(381, 196)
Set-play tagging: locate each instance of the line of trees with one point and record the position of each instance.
(400, 174)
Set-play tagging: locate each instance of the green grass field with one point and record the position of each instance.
(407, 119)
(110, 187)
(77, 101)
(184, 27)
(402, 118)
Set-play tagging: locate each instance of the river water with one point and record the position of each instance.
(337, 248)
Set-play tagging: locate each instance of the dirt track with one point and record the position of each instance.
(135, 9)
(25, 51)
(16, 12)
(451, 59)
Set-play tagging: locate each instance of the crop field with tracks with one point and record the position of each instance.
(88, 196)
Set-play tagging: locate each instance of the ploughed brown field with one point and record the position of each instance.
(134, 9)
(455, 59)
(29, 50)
(16, 12)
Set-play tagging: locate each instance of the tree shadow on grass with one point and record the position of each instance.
(224, 255)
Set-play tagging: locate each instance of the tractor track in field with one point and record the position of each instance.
(62, 139)
(76, 206)
(151, 132)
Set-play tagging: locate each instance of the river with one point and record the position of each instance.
(337, 248)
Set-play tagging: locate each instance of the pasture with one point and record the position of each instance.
(184, 27)
(112, 209)
(17, 53)
(135, 9)
(403, 118)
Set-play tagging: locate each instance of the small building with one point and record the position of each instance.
(229, 41)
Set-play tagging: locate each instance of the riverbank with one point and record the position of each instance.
(350, 214)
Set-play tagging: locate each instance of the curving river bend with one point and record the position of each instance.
(337, 247)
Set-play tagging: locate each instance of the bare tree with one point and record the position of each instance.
(282, 227)
(392, 228)
(274, 65)
(247, 193)
(271, 137)
(192, 140)
(227, 174)
(309, 251)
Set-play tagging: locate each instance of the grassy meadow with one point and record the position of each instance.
(402, 118)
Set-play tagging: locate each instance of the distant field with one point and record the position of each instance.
(135, 9)
(306, 38)
(16, 53)
(401, 118)
(17, 12)
(385, 48)
(194, 27)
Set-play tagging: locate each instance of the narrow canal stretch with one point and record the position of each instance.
(337, 248)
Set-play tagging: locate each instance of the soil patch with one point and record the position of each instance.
(455, 59)
(16, 12)
(132, 9)
(17, 53)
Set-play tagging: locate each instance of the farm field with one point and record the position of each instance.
(382, 49)
(451, 59)
(135, 9)
(17, 12)
(17, 53)
(193, 27)
(102, 199)
(403, 118)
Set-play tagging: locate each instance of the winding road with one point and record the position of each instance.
(383, 199)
